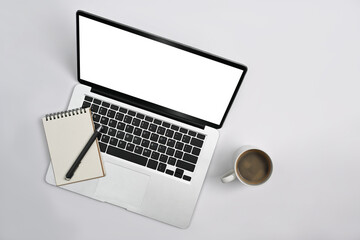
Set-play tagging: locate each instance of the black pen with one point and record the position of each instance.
(77, 162)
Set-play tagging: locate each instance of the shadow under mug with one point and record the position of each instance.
(252, 167)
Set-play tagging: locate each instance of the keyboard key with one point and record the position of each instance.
(149, 119)
(192, 133)
(155, 155)
(147, 152)
(152, 128)
(105, 104)
(152, 164)
(102, 111)
(146, 134)
(137, 140)
(130, 147)
(153, 146)
(154, 137)
(161, 130)
(170, 151)
(119, 116)
(187, 148)
(174, 127)
(112, 132)
(120, 135)
(185, 139)
(187, 178)
(137, 131)
(113, 123)
(113, 141)
(96, 117)
(196, 142)
(97, 101)
(138, 149)
(104, 120)
(145, 143)
(122, 144)
(157, 121)
(131, 113)
(161, 167)
(139, 115)
(201, 136)
(123, 110)
(102, 147)
(114, 107)
(178, 154)
(127, 155)
(169, 133)
(163, 158)
(171, 161)
(178, 136)
(162, 148)
(179, 173)
(190, 158)
(166, 125)
(104, 129)
(170, 172)
(196, 151)
(179, 145)
(136, 122)
(120, 126)
(144, 125)
(127, 119)
(128, 137)
(86, 104)
(111, 113)
(162, 140)
(105, 138)
(170, 143)
(185, 165)
(89, 99)
(94, 108)
(183, 130)
(129, 128)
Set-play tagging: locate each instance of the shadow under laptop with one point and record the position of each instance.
(66, 56)
(59, 38)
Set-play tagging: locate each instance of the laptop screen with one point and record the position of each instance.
(155, 72)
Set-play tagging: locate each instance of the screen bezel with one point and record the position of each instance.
(145, 104)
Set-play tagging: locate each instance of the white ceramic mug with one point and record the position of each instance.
(249, 160)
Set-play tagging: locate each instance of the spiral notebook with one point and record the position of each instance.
(67, 133)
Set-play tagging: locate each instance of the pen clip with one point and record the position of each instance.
(99, 128)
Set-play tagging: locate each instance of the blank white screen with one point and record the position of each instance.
(154, 71)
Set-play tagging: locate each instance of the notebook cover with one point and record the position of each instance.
(67, 133)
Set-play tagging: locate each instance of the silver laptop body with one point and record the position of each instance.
(175, 86)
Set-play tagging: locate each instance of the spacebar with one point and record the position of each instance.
(131, 157)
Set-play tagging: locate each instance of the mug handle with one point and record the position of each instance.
(229, 176)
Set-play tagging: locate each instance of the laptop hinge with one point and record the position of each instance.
(138, 103)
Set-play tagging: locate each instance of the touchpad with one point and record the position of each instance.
(122, 186)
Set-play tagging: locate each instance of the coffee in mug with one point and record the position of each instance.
(252, 166)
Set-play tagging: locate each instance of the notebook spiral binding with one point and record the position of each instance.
(71, 112)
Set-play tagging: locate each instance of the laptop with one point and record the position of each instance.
(161, 104)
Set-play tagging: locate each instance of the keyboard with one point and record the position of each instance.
(144, 140)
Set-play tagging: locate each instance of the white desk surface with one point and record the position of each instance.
(299, 102)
